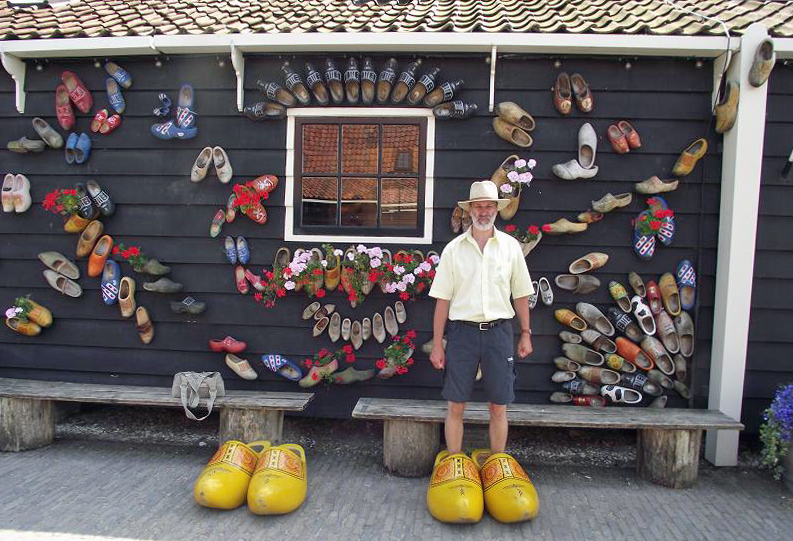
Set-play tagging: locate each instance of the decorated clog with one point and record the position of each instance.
(509, 493)
(223, 484)
(279, 482)
(282, 366)
(455, 492)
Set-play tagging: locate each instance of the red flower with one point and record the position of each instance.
(280, 292)
(352, 296)
(411, 334)
(511, 228)
(307, 362)
(380, 364)
(546, 228)
(59, 208)
(320, 293)
(651, 201)
(410, 362)
(287, 272)
(315, 376)
(534, 230)
(655, 225)
(116, 250)
(404, 295)
(374, 276)
(406, 340)
(401, 370)
(431, 274)
(268, 275)
(257, 297)
(419, 288)
(347, 349)
(644, 218)
(134, 250)
(69, 192)
(125, 254)
(350, 358)
(323, 352)
(317, 272)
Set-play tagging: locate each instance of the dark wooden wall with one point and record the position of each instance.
(768, 364)
(160, 210)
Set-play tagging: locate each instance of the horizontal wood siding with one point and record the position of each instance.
(160, 210)
(768, 364)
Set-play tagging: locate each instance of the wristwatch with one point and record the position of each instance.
(525, 331)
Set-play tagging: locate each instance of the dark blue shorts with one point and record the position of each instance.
(466, 348)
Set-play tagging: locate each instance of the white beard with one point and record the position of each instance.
(484, 227)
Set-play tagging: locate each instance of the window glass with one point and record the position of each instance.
(401, 149)
(360, 148)
(320, 200)
(359, 202)
(320, 148)
(400, 202)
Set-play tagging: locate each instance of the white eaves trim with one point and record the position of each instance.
(377, 112)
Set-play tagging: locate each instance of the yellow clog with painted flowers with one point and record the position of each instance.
(223, 484)
(509, 493)
(455, 492)
(279, 483)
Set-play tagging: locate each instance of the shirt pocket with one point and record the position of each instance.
(500, 272)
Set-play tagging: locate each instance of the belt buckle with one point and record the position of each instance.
(484, 326)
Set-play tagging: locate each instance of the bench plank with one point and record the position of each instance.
(145, 396)
(550, 415)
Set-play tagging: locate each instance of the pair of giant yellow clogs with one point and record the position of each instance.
(272, 479)
(456, 495)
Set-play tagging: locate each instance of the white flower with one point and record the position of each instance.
(338, 252)
(361, 249)
(399, 269)
(375, 252)
(409, 279)
(401, 286)
(526, 177)
(435, 259)
(520, 163)
(324, 263)
(513, 176)
(532, 163)
(11, 312)
(425, 266)
(374, 263)
(417, 270)
(350, 256)
(289, 284)
(390, 287)
(506, 188)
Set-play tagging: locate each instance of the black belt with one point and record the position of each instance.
(486, 325)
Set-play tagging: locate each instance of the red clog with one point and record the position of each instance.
(78, 92)
(633, 354)
(654, 299)
(110, 124)
(99, 118)
(228, 344)
(617, 139)
(257, 213)
(63, 108)
(239, 278)
(265, 183)
(630, 133)
(255, 281)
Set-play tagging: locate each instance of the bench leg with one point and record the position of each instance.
(668, 457)
(409, 447)
(247, 425)
(26, 423)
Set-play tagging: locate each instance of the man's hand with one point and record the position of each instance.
(524, 346)
(438, 356)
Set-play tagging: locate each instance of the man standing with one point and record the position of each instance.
(478, 272)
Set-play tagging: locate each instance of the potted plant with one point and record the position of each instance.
(528, 238)
(409, 275)
(397, 356)
(28, 317)
(66, 203)
(518, 175)
(332, 265)
(139, 262)
(776, 433)
(325, 363)
(248, 199)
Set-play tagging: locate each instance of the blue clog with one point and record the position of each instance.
(114, 95)
(185, 116)
(121, 76)
(111, 278)
(667, 230)
(83, 148)
(231, 250)
(71, 144)
(169, 130)
(243, 252)
(686, 284)
(643, 245)
(282, 366)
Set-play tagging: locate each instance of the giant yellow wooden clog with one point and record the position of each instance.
(279, 483)
(455, 491)
(509, 494)
(223, 484)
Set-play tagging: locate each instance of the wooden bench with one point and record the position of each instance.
(668, 440)
(27, 419)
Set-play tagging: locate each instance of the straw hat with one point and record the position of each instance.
(484, 190)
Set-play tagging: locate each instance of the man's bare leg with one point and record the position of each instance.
(498, 427)
(453, 429)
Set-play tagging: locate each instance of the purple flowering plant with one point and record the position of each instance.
(776, 432)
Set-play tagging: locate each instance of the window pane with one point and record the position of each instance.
(359, 201)
(400, 202)
(320, 197)
(360, 148)
(401, 149)
(320, 148)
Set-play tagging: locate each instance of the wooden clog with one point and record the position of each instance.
(509, 494)
(224, 481)
(454, 495)
(279, 483)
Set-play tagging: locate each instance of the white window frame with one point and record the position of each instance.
(358, 112)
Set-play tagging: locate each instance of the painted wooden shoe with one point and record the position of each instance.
(670, 294)
(280, 481)
(454, 495)
(562, 226)
(589, 262)
(686, 284)
(38, 314)
(22, 326)
(223, 484)
(654, 185)
(509, 494)
(689, 157)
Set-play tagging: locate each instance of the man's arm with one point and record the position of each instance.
(522, 310)
(438, 355)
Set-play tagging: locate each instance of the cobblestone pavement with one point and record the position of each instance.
(82, 489)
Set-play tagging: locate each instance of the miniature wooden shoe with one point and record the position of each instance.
(223, 484)
(454, 495)
(510, 495)
(562, 226)
(279, 483)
